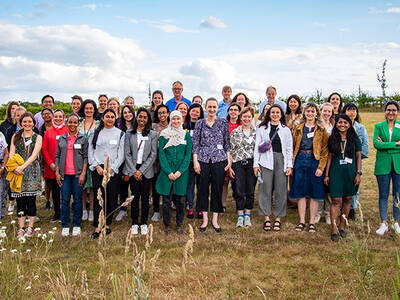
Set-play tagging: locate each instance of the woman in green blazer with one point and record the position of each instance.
(387, 165)
(175, 149)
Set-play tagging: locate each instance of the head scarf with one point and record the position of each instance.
(174, 135)
(63, 121)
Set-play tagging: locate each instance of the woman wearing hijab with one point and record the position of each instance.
(175, 150)
(49, 149)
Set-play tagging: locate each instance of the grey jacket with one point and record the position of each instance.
(149, 154)
(80, 153)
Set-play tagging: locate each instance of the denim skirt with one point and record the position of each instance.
(304, 182)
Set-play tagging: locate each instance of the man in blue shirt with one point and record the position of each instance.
(271, 94)
(225, 102)
(177, 88)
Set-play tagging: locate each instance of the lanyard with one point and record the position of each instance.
(29, 145)
(140, 145)
(343, 147)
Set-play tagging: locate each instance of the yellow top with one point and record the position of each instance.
(14, 179)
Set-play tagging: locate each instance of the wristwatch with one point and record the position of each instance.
(359, 173)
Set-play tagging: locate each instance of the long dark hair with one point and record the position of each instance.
(267, 117)
(228, 117)
(349, 106)
(9, 106)
(194, 105)
(156, 119)
(123, 122)
(298, 110)
(335, 139)
(101, 126)
(341, 101)
(18, 135)
(247, 103)
(156, 92)
(135, 125)
(81, 111)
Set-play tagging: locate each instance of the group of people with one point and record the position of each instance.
(301, 155)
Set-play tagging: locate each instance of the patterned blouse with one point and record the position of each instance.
(31, 181)
(211, 143)
(242, 146)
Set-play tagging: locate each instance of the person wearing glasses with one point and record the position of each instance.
(48, 102)
(177, 89)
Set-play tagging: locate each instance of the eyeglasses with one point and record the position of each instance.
(162, 113)
(391, 110)
(177, 89)
(233, 109)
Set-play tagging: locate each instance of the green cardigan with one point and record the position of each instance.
(172, 159)
(387, 151)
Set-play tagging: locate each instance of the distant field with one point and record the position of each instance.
(237, 264)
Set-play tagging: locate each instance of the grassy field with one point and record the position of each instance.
(237, 264)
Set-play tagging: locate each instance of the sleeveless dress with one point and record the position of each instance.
(31, 181)
(88, 184)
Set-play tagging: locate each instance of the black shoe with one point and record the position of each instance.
(202, 229)
(352, 215)
(167, 230)
(190, 214)
(179, 230)
(342, 233)
(108, 231)
(334, 237)
(217, 229)
(199, 215)
(55, 219)
(95, 235)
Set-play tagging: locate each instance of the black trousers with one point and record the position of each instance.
(110, 200)
(245, 184)
(26, 206)
(156, 196)
(55, 195)
(180, 209)
(123, 192)
(141, 191)
(213, 173)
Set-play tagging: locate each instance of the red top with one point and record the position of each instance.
(69, 159)
(49, 148)
(232, 126)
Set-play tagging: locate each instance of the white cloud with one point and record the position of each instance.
(170, 28)
(92, 6)
(391, 10)
(212, 22)
(133, 21)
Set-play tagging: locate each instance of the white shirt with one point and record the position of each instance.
(140, 139)
(266, 159)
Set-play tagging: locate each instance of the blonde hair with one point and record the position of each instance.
(332, 118)
(247, 109)
(116, 100)
(318, 120)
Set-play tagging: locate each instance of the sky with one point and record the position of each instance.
(119, 48)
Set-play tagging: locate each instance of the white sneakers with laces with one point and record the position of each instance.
(76, 231)
(134, 229)
(382, 229)
(143, 229)
(65, 232)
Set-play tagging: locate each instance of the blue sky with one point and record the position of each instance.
(119, 47)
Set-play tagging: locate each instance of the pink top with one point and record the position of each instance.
(69, 160)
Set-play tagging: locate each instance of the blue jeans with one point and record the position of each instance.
(70, 187)
(384, 190)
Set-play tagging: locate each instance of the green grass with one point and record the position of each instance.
(237, 264)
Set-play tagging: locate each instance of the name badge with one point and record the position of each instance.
(183, 142)
(113, 142)
(219, 147)
(28, 142)
(77, 146)
(58, 137)
(145, 138)
(397, 125)
(348, 160)
(310, 134)
(191, 133)
(343, 162)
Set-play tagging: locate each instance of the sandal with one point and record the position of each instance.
(312, 228)
(277, 226)
(267, 226)
(300, 227)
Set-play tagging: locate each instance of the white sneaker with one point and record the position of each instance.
(121, 214)
(150, 200)
(11, 206)
(84, 215)
(91, 216)
(382, 229)
(65, 231)
(76, 231)
(143, 229)
(29, 232)
(240, 222)
(317, 218)
(396, 227)
(247, 221)
(156, 217)
(135, 229)
(328, 219)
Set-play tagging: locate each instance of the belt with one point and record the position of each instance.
(306, 151)
(245, 162)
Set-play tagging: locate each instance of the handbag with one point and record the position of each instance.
(266, 146)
